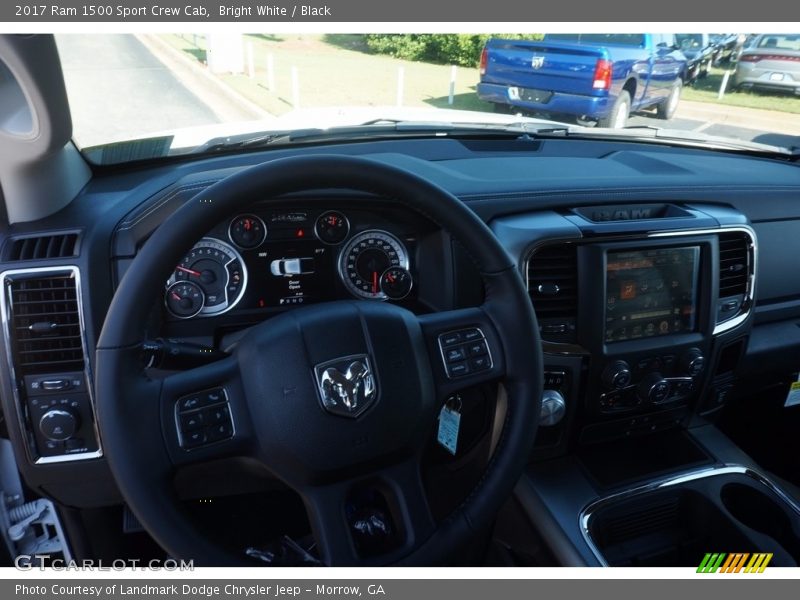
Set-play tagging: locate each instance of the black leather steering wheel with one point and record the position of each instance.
(272, 385)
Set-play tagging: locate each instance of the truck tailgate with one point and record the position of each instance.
(557, 67)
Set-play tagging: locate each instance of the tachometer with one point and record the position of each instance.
(218, 270)
(365, 258)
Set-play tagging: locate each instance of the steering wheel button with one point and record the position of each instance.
(215, 415)
(194, 439)
(457, 369)
(214, 396)
(221, 431)
(189, 403)
(192, 421)
(456, 354)
(477, 349)
(482, 363)
(472, 335)
(450, 339)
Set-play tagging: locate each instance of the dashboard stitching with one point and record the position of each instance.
(201, 185)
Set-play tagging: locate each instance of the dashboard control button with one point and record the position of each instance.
(58, 424)
(617, 375)
(653, 388)
(693, 362)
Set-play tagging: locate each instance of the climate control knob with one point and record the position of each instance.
(693, 362)
(617, 375)
(58, 424)
(653, 388)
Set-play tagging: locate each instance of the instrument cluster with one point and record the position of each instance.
(285, 258)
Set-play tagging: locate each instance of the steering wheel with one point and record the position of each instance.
(282, 412)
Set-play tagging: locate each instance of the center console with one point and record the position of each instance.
(635, 303)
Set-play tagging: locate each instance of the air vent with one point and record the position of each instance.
(553, 288)
(62, 245)
(44, 323)
(734, 264)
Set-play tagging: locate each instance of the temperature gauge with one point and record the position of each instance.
(184, 299)
(396, 283)
(332, 227)
(247, 231)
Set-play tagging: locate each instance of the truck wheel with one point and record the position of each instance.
(666, 110)
(618, 116)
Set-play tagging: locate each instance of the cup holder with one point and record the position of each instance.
(758, 511)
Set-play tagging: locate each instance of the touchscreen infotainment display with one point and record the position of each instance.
(651, 292)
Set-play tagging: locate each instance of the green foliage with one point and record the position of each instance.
(445, 48)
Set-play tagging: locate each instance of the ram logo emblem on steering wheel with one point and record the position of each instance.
(346, 385)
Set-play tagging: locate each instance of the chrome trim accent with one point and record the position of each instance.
(732, 323)
(5, 315)
(588, 511)
(444, 359)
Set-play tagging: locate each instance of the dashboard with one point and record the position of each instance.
(658, 276)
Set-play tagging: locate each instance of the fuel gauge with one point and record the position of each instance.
(184, 299)
(396, 283)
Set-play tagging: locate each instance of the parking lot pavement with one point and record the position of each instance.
(118, 90)
(748, 124)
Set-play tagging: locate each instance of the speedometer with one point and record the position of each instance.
(218, 270)
(364, 259)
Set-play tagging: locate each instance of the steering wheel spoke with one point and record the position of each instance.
(204, 414)
(464, 349)
(377, 518)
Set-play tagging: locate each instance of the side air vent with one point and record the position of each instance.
(736, 272)
(44, 324)
(553, 288)
(63, 245)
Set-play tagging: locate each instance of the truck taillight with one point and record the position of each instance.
(602, 74)
(484, 54)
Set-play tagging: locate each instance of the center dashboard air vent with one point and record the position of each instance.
(44, 323)
(552, 275)
(736, 258)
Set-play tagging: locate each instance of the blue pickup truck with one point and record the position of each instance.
(593, 77)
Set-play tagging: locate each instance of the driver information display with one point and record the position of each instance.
(650, 292)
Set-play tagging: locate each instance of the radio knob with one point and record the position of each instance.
(693, 362)
(653, 388)
(58, 424)
(553, 408)
(617, 375)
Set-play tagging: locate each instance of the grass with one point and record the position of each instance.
(335, 70)
(706, 90)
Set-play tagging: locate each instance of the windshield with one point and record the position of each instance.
(149, 96)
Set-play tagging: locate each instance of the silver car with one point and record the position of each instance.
(771, 62)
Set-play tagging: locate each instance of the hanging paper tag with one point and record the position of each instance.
(793, 397)
(449, 422)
